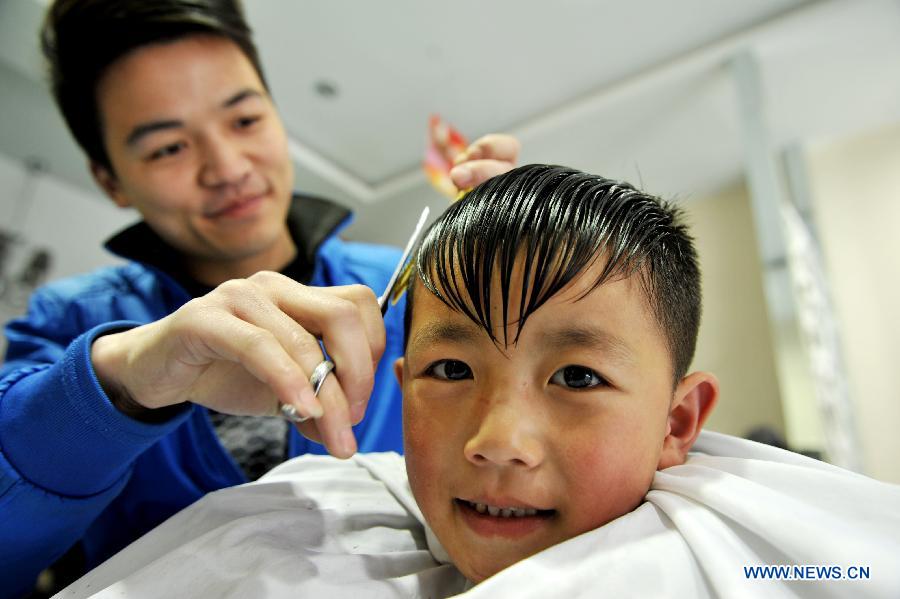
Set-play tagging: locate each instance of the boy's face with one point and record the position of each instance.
(198, 148)
(573, 421)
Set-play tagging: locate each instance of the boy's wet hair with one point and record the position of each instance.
(80, 39)
(561, 220)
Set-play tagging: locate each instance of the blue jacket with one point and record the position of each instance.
(75, 469)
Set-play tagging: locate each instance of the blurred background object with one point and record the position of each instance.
(776, 123)
(15, 288)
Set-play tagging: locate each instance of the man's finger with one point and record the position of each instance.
(493, 146)
(367, 303)
(349, 323)
(472, 173)
(259, 352)
(333, 429)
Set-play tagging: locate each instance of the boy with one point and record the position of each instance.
(548, 415)
(549, 359)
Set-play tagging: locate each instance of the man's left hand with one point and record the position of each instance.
(487, 157)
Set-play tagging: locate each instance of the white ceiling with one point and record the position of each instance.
(486, 66)
(639, 90)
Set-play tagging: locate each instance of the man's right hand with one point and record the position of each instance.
(250, 345)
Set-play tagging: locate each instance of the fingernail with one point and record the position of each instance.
(348, 442)
(311, 403)
(357, 411)
(462, 176)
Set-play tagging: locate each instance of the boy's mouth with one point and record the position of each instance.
(507, 521)
(504, 511)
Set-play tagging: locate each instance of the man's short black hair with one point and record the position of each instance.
(82, 38)
(561, 220)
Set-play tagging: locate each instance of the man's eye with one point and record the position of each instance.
(449, 370)
(167, 150)
(246, 121)
(577, 377)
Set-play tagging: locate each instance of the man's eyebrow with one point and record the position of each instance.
(241, 96)
(442, 332)
(145, 129)
(592, 337)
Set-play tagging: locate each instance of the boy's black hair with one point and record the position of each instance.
(561, 220)
(82, 38)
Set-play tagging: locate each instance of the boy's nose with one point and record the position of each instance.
(224, 164)
(508, 434)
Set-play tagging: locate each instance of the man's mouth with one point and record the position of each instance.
(234, 207)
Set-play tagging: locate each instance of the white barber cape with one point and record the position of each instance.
(321, 527)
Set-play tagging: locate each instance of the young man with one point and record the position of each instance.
(548, 416)
(116, 387)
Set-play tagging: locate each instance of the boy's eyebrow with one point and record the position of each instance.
(145, 129)
(593, 337)
(442, 331)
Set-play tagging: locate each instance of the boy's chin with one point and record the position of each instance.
(487, 568)
(477, 563)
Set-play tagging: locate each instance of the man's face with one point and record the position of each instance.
(565, 428)
(197, 147)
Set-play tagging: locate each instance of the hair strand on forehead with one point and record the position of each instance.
(558, 222)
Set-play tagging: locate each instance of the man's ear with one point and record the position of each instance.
(692, 403)
(398, 370)
(108, 182)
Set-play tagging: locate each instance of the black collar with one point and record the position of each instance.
(310, 220)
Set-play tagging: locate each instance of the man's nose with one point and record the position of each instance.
(508, 433)
(224, 163)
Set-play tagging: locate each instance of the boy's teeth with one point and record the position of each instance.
(505, 512)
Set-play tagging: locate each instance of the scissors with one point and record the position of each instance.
(396, 279)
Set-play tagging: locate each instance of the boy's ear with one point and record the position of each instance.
(398, 370)
(693, 401)
(109, 184)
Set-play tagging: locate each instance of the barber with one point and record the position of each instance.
(125, 392)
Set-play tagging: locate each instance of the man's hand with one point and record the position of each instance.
(487, 157)
(250, 345)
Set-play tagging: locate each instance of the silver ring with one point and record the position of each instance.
(317, 379)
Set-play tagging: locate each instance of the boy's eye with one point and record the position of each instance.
(167, 150)
(450, 370)
(577, 377)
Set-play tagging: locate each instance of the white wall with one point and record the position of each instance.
(856, 201)
(734, 342)
(71, 222)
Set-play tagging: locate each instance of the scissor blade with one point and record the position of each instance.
(383, 299)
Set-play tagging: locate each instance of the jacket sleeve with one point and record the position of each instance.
(65, 450)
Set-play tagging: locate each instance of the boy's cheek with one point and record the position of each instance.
(423, 467)
(434, 399)
(427, 436)
(608, 481)
(419, 432)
